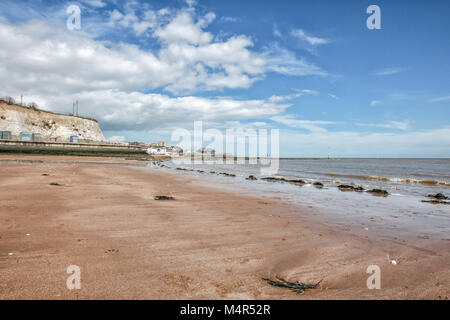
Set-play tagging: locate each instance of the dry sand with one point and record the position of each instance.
(207, 244)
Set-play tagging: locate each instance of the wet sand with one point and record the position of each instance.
(210, 243)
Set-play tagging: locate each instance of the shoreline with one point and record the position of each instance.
(209, 243)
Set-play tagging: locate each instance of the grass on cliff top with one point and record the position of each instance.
(76, 152)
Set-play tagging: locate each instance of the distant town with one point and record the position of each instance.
(29, 127)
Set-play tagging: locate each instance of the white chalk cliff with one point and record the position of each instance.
(51, 126)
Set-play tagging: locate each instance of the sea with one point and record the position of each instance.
(409, 182)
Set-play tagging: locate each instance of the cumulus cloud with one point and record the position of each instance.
(114, 17)
(118, 110)
(189, 59)
(37, 54)
(117, 18)
(184, 40)
(112, 81)
(183, 29)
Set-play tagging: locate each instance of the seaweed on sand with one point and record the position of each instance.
(164, 198)
(294, 286)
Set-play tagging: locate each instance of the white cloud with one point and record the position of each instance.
(300, 93)
(333, 96)
(114, 17)
(56, 66)
(182, 29)
(308, 91)
(230, 19)
(440, 99)
(276, 31)
(425, 143)
(374, 103)
(130, 19)
(284, 98)
(311, 40)
(310, 125)
(283, 61)
(54, 59)
(389, 71)
(119, 110)
(399, 125)
(94, 3)
(191, 3)
(398, 96)
(182, 35)
(258, 124)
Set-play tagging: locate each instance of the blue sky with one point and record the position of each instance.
(309, 68)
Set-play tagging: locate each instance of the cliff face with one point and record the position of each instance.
(51, 126)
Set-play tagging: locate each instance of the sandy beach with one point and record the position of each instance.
(209, 243)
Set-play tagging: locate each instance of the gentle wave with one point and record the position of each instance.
(424, 182)
(427, 182)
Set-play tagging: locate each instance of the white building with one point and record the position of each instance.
(160, 150)
(174, 151)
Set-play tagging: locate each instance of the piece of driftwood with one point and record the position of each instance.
(294, 286)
